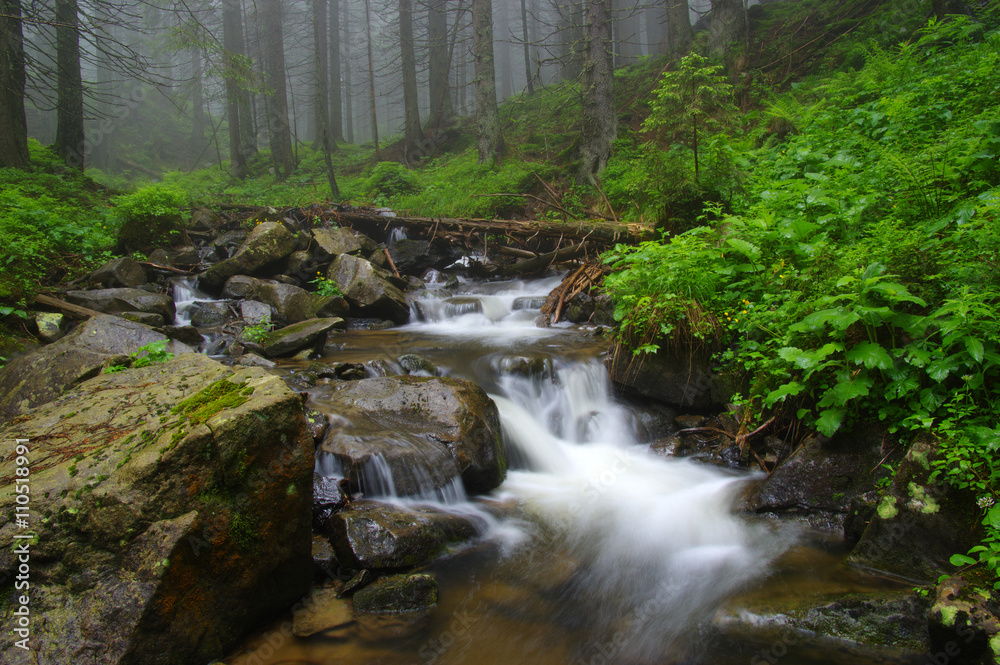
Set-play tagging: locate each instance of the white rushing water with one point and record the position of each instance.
(186, 294)
(655, 541)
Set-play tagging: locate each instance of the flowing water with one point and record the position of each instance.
(594, 550)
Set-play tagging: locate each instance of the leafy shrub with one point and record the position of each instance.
(389, 179)
(148, 218)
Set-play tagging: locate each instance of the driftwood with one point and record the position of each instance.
(69, 308)
(543, 261)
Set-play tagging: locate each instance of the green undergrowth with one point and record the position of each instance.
(858, 275)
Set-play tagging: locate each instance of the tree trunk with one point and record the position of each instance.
(336, 100)
(197, 105)
(348, 91)
(502, 62)
(489, 139)
(679, 33)
(656, 24)
(278, 129)
(371, 77)
(322, 110)
(13, 124)
(69, 105)
(439, 64)
(232, 43)
(413, 136)
(600, 122)
(570, 40)
(727, 28)
(527, 48)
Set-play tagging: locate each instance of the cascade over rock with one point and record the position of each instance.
(172, 510)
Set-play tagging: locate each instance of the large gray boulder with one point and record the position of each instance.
(116, 301)
(289, 303)
(684, 382)
(336, 241)
(426, 430)
(368, 288)
(298, 336)
(266, 246)
(39, 377)
(373, 535)
(119, 272)
(171, 509)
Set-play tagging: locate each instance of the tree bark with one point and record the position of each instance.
(336, 98)
(413, 135)
(69, 105)
(439, 64)
(279, 131)
(348, 90)
(232, 43)
(197, 104)
(570, 39)
(322, 109)
(488, 133)
(727, 28)
(600, 122)
(371, 77)
(679, 33)
(528, 77)
(13, 124)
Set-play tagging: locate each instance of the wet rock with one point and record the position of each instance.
(426, 430)
(528, 302)
(301, 380)
(145, 318)
(351, 371)
(119, 272)
(254, 312)
(331, 306)
(290, 303)
(377, 536)
(241, 286)
(526, 366)
(412, 256)
(300, 265)
(266, 246)
(161, 257)
(368, 288)
(336, 241)
(253, 360)
(323, 611)
(964, 623)
(116, 301)
(328, 498)
(414, 283)
(317, 422)
(203, 219)
(185, 334)
(397, 593)
(918, 524)
(39, 377)
(185, 256)
(360, 579)
(306, 334)
(229, 242)
(414, 364)
(324, 558)
(49, 325)
(174, 525)
(686, 383)
(211, 313)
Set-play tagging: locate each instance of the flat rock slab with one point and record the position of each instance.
(298, 336)
(397, 593)
(116, 301)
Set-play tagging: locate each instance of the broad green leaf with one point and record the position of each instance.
(779, 394)
(974, 347)
(961, 560)
(830, 420)
(871, 355)
(845, 391)
(993, 517)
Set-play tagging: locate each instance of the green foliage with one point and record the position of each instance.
(326, 287)
(149, 217)
(389, 179)
(255, 333)
(153, 353)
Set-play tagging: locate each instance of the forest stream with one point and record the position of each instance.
(594, 549)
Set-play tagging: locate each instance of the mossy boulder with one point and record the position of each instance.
(43, 375)
(119, 272)
(427, 431)
(919, 524)
(303, 335)
(336, 241)
(263, 250)
(369, 289)
(397, 593)
(171, 509)
(373, 535)
(964, 622)
(686, 382)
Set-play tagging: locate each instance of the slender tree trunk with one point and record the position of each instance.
(570, 39)
(439, 63)
(237, 109)
(249, 102)
(197, 104)
(503, 59)
(323, 137)
(413, 135)
(600, 122)
(13, 124)
(336, 97)
(679, 32)
(371, 77)
(69, 106)
(727, 28)
(527, 48)
(489, 138)
(279, 131)
(348, 90)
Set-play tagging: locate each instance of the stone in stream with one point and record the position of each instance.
(368, 289)
(253, 360)
(336, 241)
(304, 335)
(685, 382)
(116, 301)
(119, 272)
(43, 375)
(414, 364)
(145, 318)
(49, 326)
(965, 618)
(397, 593)
(264, 249)
(254, 312)
(425, 431)
(328, 498)
(289, 303)
(171, 511)
(210, 313)
(186, 334)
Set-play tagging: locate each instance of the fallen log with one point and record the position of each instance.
(69, 308)
(543, 261)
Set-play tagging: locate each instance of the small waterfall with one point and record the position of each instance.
(186, 294)
(398, 233)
